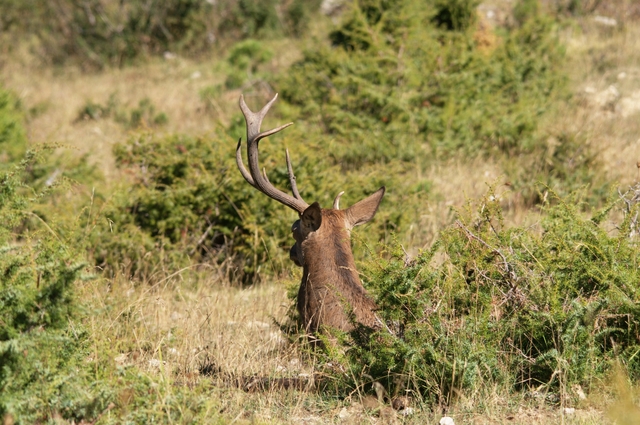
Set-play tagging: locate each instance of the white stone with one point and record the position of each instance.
(606, 21)
(344, 414)
(446, 420)
(329, 7)
(121, 359)
(408, 411)
(257, 324)
(628, 106)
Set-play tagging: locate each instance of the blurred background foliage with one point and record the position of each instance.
(99, 33)
(13, 141)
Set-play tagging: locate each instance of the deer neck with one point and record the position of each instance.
(330, 260)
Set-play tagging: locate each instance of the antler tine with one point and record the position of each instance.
(336, 202)
(292, 177)
(243, 170)
(254, 176)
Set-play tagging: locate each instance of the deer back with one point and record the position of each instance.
(331, 293)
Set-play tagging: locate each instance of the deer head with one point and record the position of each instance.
(331, 293)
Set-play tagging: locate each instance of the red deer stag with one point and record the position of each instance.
(331, 294)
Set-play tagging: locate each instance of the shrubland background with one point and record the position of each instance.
(143, 280)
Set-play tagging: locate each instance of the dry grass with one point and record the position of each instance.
(173, 327)
(170, 330)
(606, 75)
(171, 85)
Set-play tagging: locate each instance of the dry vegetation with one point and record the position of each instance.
(181, 325)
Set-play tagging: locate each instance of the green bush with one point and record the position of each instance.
(244, 58)
(187, 202)
(144, 115)
(515, 307)
(97, 33)
(407, 82)
(13, 142)
(52, 368)
(43, 346)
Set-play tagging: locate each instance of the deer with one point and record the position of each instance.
(331, 294)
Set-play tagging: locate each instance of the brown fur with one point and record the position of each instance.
(331, 293)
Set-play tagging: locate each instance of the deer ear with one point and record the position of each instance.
(363, 211)
(311, 218)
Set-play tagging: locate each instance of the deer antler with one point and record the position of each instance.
(259, 179)
(336, 201)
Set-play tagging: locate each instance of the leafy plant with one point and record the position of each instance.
(187, 202)
(244, 58)
(403, 82)
(99, 33)
(143, 115)
(13, 142)
(42, 345)
(518, 307)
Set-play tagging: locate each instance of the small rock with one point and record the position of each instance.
(446, 420)
(407, 411)
(578, 390)
(630, 105)
(605, 99)
(344, 414)
(569, 410)
(277, 338)
(257, 324)
(622, 75)
(603, 20)
(121, 359)
(331, 7)
(169, 56)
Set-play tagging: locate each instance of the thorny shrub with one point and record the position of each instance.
(519, 307)
(52, 366)
(406, 82)
(187, 203)
(43, 347)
